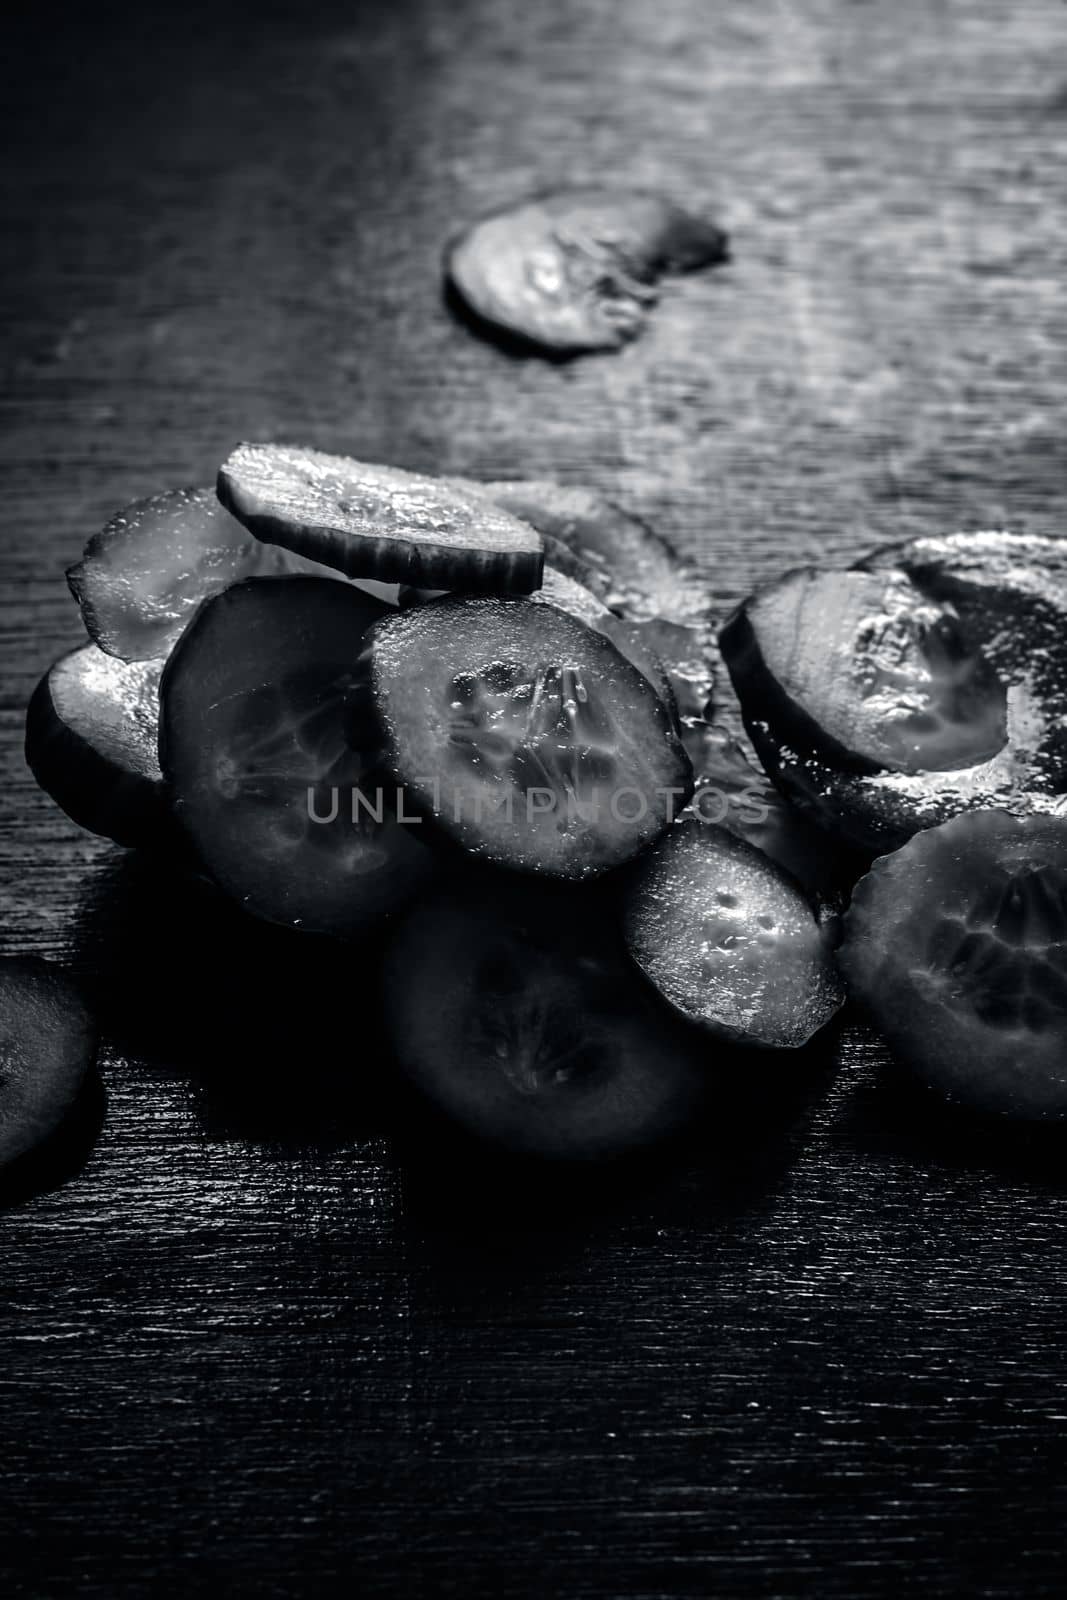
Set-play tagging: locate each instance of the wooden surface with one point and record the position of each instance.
(264, 1344)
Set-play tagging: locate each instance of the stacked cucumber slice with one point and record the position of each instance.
(475, 720)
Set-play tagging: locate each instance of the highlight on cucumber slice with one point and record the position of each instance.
(142, 577)
(518, 1016)
(1006, 597)
(637, 574)
(729, 940)
(372, 521)
(863, 668)
(627, 564)
(256, 711)
(568, 594)
(957, 943)
(47, 1043)
(1010, 593)
(576, 270)
(92, 734)
(527, 736)
(736, 793)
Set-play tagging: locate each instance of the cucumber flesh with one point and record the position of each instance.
(256, 718)
(1009, 594)
(47, 1042)
(729, 940)
(92, 734)
(527, 736)
(142, 577)
(371, 521)
(575, 270)
(864, 668)
(736, 793)
(518, 1016)
(637, 574)
(957, 943)
(631, 567)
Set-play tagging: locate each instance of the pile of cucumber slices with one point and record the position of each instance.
(472, 724)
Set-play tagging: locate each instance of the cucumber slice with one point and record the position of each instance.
(575, 270)
(729, 940)
(734, 792)
(256, 707)
(142, 577)
(380, 522)
(1006, 597)
(631, 567)
(566, 593)
(958, 945)
(92, 734)
(1010, 592)
(527, 736)
(47, 1042)
(862, 667)
(519, 1018)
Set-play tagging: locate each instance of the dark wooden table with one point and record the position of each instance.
(261, 1344)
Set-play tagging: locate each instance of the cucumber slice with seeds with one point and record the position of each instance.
(527, 736)
(255, 728)
(92, 734)
(1003, 600)
(729, 940)
(863, 668)
(518, 1016)
(575, 270)
(637, 574)
(958, 945)
(373, 521)
(47, 1042)
(142, 577)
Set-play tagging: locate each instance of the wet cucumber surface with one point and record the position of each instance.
(253, 1346)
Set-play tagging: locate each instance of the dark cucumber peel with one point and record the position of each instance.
(373, 521)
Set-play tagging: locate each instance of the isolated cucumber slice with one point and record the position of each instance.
(575, 270)
(958, 945)
(518, 1016)
(47, 1042)
(729, 940)
(372, 521)
(92, 734)
(527, 736)
(142, 577)
(256, 706)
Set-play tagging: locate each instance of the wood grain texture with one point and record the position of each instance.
(266, 1343)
